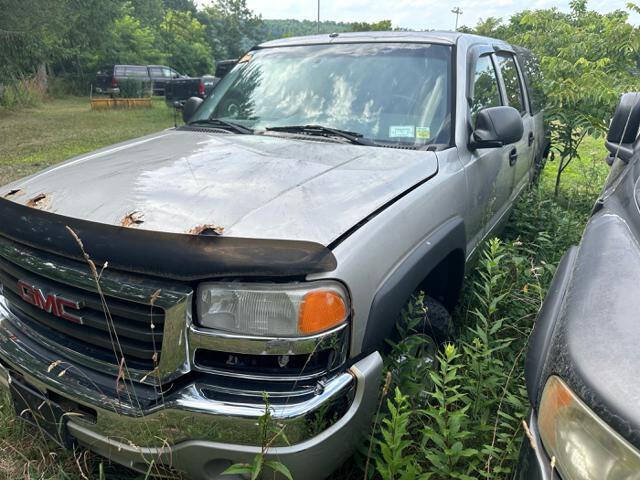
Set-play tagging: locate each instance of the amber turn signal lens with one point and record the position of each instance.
(320, 311)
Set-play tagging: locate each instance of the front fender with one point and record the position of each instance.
(540, 340)
(407, 276)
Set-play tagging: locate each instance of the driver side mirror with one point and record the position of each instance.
(190, 108)
(495, 127)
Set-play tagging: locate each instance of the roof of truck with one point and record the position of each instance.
(441, 37)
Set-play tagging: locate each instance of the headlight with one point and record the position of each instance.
(585, 447)
(272, 309)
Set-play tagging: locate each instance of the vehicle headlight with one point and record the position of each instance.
(585, 447)
(272, 309)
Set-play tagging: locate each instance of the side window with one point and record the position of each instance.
(532, 79)
(512, 85)
(485, 87)
(119, 72)
(155, 71)
(166, 72)
(134, 71)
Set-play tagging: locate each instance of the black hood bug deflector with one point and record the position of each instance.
(168, 255)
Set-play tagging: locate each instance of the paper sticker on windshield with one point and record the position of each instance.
(423, 133)
(246, 58)
(402, 131)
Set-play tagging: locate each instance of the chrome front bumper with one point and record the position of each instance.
(189, 431)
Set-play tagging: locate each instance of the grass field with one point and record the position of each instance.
(483, 367)
(38, 137)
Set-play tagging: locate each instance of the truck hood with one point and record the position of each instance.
(251, 186)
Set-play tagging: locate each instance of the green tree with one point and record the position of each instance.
(232, 28)
(382, 25)
(87, 32)
(149, 12)
(489, 27)
(181, 5)
(587, 60)
(185, 44)
(28, 40)
(281, 28)
(58, 36)
(131, 43)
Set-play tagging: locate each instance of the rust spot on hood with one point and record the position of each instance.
(206, 229)
(40, 201)
(14, 193)
(132, 219)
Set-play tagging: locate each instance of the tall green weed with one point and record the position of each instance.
(463, 420)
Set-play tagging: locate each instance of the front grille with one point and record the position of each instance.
(128, 334)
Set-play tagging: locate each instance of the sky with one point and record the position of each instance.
(414, 14)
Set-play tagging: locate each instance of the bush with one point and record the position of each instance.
(64, 85)
(469, 426)
(132, 88)
(20, 93)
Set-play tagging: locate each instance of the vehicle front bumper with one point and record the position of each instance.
(189, 431)
(534, 463)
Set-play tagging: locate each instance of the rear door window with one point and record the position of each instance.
(512, 85)
(485, 87)
(155, 71)
(532, 79)
(133, 71)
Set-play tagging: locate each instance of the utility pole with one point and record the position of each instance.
(318, 23)
(456, 10)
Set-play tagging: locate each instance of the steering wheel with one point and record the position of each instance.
(229, 107)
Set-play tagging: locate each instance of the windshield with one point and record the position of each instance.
(386, 92)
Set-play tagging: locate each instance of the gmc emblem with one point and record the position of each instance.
(50, 303)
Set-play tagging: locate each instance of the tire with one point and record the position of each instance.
(412, 361)
(539, 162)
(437, 321)
(415, 355)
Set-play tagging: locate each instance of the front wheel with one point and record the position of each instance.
(425, 324)
(436, 321)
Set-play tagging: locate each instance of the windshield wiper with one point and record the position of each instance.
(224, 124)
(319, 130)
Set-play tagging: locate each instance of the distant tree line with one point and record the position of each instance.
(293, 28)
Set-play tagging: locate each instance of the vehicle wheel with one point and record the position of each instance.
(412, 361)
(537, 169)
(415, 355)
(437, 321)
(539, 163)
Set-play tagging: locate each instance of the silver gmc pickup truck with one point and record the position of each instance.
(152, 292)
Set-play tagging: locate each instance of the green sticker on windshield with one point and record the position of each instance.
(402, 131)
(423, 133)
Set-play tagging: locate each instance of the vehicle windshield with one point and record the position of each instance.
(386, 92)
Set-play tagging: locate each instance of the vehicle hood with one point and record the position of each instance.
(251, 186)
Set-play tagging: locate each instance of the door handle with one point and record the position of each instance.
(513, 157)
(531, 138)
